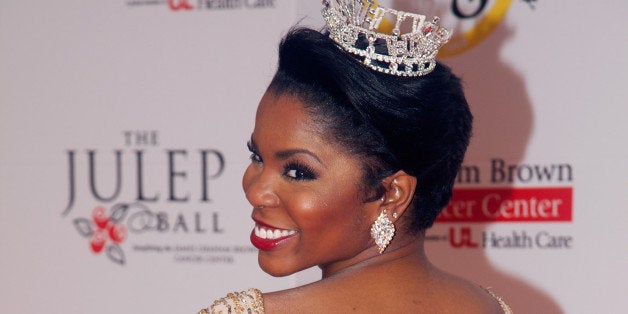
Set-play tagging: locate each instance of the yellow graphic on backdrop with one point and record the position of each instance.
(469, 39)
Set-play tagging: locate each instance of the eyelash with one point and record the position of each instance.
(255, 157)
(301, 171)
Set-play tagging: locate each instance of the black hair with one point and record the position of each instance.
(420, 125)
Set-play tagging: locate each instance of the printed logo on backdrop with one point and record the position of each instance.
(115, 202)
(204, 5)
(474, 21)
(504, 193)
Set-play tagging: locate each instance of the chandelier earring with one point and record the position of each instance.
(382, 231)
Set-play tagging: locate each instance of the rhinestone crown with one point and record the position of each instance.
(407, 54)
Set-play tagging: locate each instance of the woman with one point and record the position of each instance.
(351, 161)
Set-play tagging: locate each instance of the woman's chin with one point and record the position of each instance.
(276, 272)
(275, 268)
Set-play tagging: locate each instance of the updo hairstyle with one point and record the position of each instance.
(420, 125)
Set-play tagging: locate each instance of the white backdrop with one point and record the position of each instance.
(165, 92)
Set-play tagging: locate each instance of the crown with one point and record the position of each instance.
(407, 54)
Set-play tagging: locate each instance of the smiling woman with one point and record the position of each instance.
(355, 149)
(302, 185)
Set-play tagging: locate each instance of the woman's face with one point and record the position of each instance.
(306, 197)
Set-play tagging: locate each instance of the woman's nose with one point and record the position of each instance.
(260, 188)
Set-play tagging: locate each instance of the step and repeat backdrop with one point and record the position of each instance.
(123, 127)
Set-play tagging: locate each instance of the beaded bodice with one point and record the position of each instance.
(249, 301)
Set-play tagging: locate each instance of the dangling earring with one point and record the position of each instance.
(382, 231)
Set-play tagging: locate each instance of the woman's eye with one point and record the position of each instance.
(299, 172)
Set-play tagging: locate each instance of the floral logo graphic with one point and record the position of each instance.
(105, 231)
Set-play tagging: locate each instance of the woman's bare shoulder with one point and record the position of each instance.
(459, 295)
(306, 298)
(447, 294)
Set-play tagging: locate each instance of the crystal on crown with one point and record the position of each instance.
(407, 54)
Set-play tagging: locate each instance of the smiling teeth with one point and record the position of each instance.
(271, 234)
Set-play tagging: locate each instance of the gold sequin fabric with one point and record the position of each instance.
(249, 302)
(501, 302)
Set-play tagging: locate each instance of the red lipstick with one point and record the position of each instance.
(266, 244)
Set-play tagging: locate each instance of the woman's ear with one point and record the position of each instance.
(399, 192)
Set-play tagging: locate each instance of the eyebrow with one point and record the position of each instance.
(286, 154)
